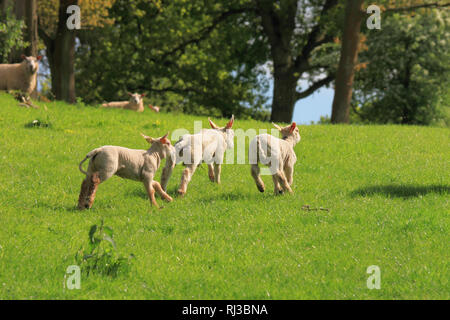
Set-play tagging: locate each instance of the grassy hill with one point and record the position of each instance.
(386, 188)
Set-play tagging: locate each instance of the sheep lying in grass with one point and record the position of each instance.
(20, 76)
(154, 108)
(209, 146)
(135, 103)
(277, 153)
(138, 165)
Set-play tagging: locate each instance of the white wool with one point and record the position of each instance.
(19, 76)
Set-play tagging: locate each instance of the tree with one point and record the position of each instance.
(295, 36)
(405, 81)
(187, 55)
(349, 52)
(25, 10)
(347, 62)
(11, 32)
(60, 41)
(292, 48)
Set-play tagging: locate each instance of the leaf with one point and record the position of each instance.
(92, 232)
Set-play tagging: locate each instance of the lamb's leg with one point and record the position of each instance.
(283, 181)
(289, 173)
(88, 191)
(186, 178)
(217, 170)
(166, 173)
(161, 192)
(151, 192)
(255, 174)
(276, 185)
(211, 172)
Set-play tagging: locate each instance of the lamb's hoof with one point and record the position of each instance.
(279, 192)
(261, 189)
(211, 178)
(169, 199)
(181, 193)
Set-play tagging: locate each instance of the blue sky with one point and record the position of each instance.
(316, 105)
(311, 108)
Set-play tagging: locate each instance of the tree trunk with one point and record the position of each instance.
(349, 56)
(61, 56)
(31, 20)
(284, 96)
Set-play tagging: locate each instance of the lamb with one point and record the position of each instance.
(209, 146)
(135, 103)
(20, 76)
(277, 153)
(138, 165)
(154, 108)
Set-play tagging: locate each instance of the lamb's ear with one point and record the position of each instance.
(276, 126)
(38, 58)
(149, 139)
(292, 128)
(212, 124)
(23, 57)
(164, 139)
(230, 123)
(129, 93)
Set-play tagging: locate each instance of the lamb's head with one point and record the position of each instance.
(136, 98)
(31, 63)
(161, 145)
(290, 131)
(227, 131)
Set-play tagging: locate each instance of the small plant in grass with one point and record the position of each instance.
(101, 256)
(37, 123)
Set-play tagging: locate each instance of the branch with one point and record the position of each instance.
(43, 35)
(419, 6)
(316, 85)
(315, 38)
(204, 32)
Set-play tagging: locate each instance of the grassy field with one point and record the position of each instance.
(386, 188)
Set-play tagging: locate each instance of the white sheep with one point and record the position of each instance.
(135, 103)
(20, 76)
(138, 165)
(209, 146)
(277, 153)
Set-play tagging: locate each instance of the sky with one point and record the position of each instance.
(316, 105)
(311, 108)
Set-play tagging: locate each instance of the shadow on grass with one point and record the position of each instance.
(400, 191)
(234, 196)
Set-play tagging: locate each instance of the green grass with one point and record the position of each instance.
(386, 187)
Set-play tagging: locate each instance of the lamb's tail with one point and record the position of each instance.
(257, 152)
(88, 156)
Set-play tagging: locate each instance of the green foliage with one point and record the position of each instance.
(408, 68)
(386, 187)
(10, 34)
(101, 256)
(167, 52)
